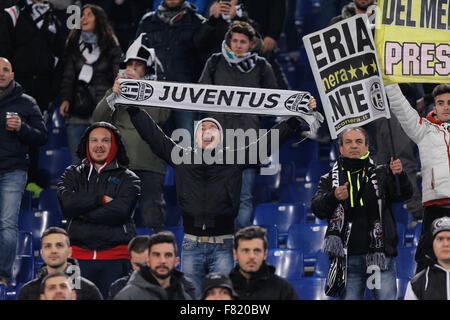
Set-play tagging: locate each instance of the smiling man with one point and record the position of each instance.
(56, 252)
(431, 134)
(159, 279)
(98, 198)
(253, 278)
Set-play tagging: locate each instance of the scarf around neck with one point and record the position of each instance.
(90, 50)
(243, 62)
(335, 237)
(171, 16)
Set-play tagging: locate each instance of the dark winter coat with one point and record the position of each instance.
(208, 194)
(93, 225)
(432, 283)
(105, 71)
(14, 146)
(174, 44)
(324, 202)
(87, 290)
(263, 285)
(268, 14)
(143, 286)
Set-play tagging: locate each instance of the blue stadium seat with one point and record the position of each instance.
(405, 263)
(301, 154)
(27, 198)
(24, 244)
(287, 172)
(144, 231)
(179, 236)
(280, 215)
(48, 200)
(36, 222)
(402, 284)
(322, 265)
(417, 233)
(2, 292)
(401, 235)
(288, 263)
(316, 169)
(402, 215)
(51, 164)
(169, 178)
(272, 236)
(297, 192)
(308, 238)
(311, 288)
(22, 270)
(265, 189)
(57, 137)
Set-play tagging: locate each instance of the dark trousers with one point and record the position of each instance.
(151, 202)
(104, 272)
(424, 251)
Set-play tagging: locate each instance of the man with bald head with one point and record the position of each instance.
(21, 126)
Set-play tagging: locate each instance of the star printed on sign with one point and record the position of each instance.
(352, 72)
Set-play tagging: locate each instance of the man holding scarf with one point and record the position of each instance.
(236, 65)
(358, 195)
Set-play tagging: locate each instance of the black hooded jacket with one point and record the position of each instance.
(14, 145)
(208, 194)
(86, 291)
(92, 224)
(263, 285)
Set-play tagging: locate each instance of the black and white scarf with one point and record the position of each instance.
(171, 16)
(243, 62)
(90, 50)
(342, 215)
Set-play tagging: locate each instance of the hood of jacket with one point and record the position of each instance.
(42, 272)
(198, 126)
(121, 154)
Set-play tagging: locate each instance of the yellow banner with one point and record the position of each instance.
(412, 38)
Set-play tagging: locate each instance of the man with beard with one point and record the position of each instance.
(98, 197)
(57, 286)
(158, 279)
(55, 252)
(253, 278)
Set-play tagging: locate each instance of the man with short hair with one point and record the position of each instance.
(253, 278)
(159, 279)
(431, 136)
(140, 63)
(56, 252)
(433, 283)
(218, 286)
(138, 250)
(355, 197)
(98, 197)
(57, 286)
(22, 128)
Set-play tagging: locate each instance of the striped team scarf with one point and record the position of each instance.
(243, 62)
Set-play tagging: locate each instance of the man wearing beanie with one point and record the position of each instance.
(98, 198)
(433, 283)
